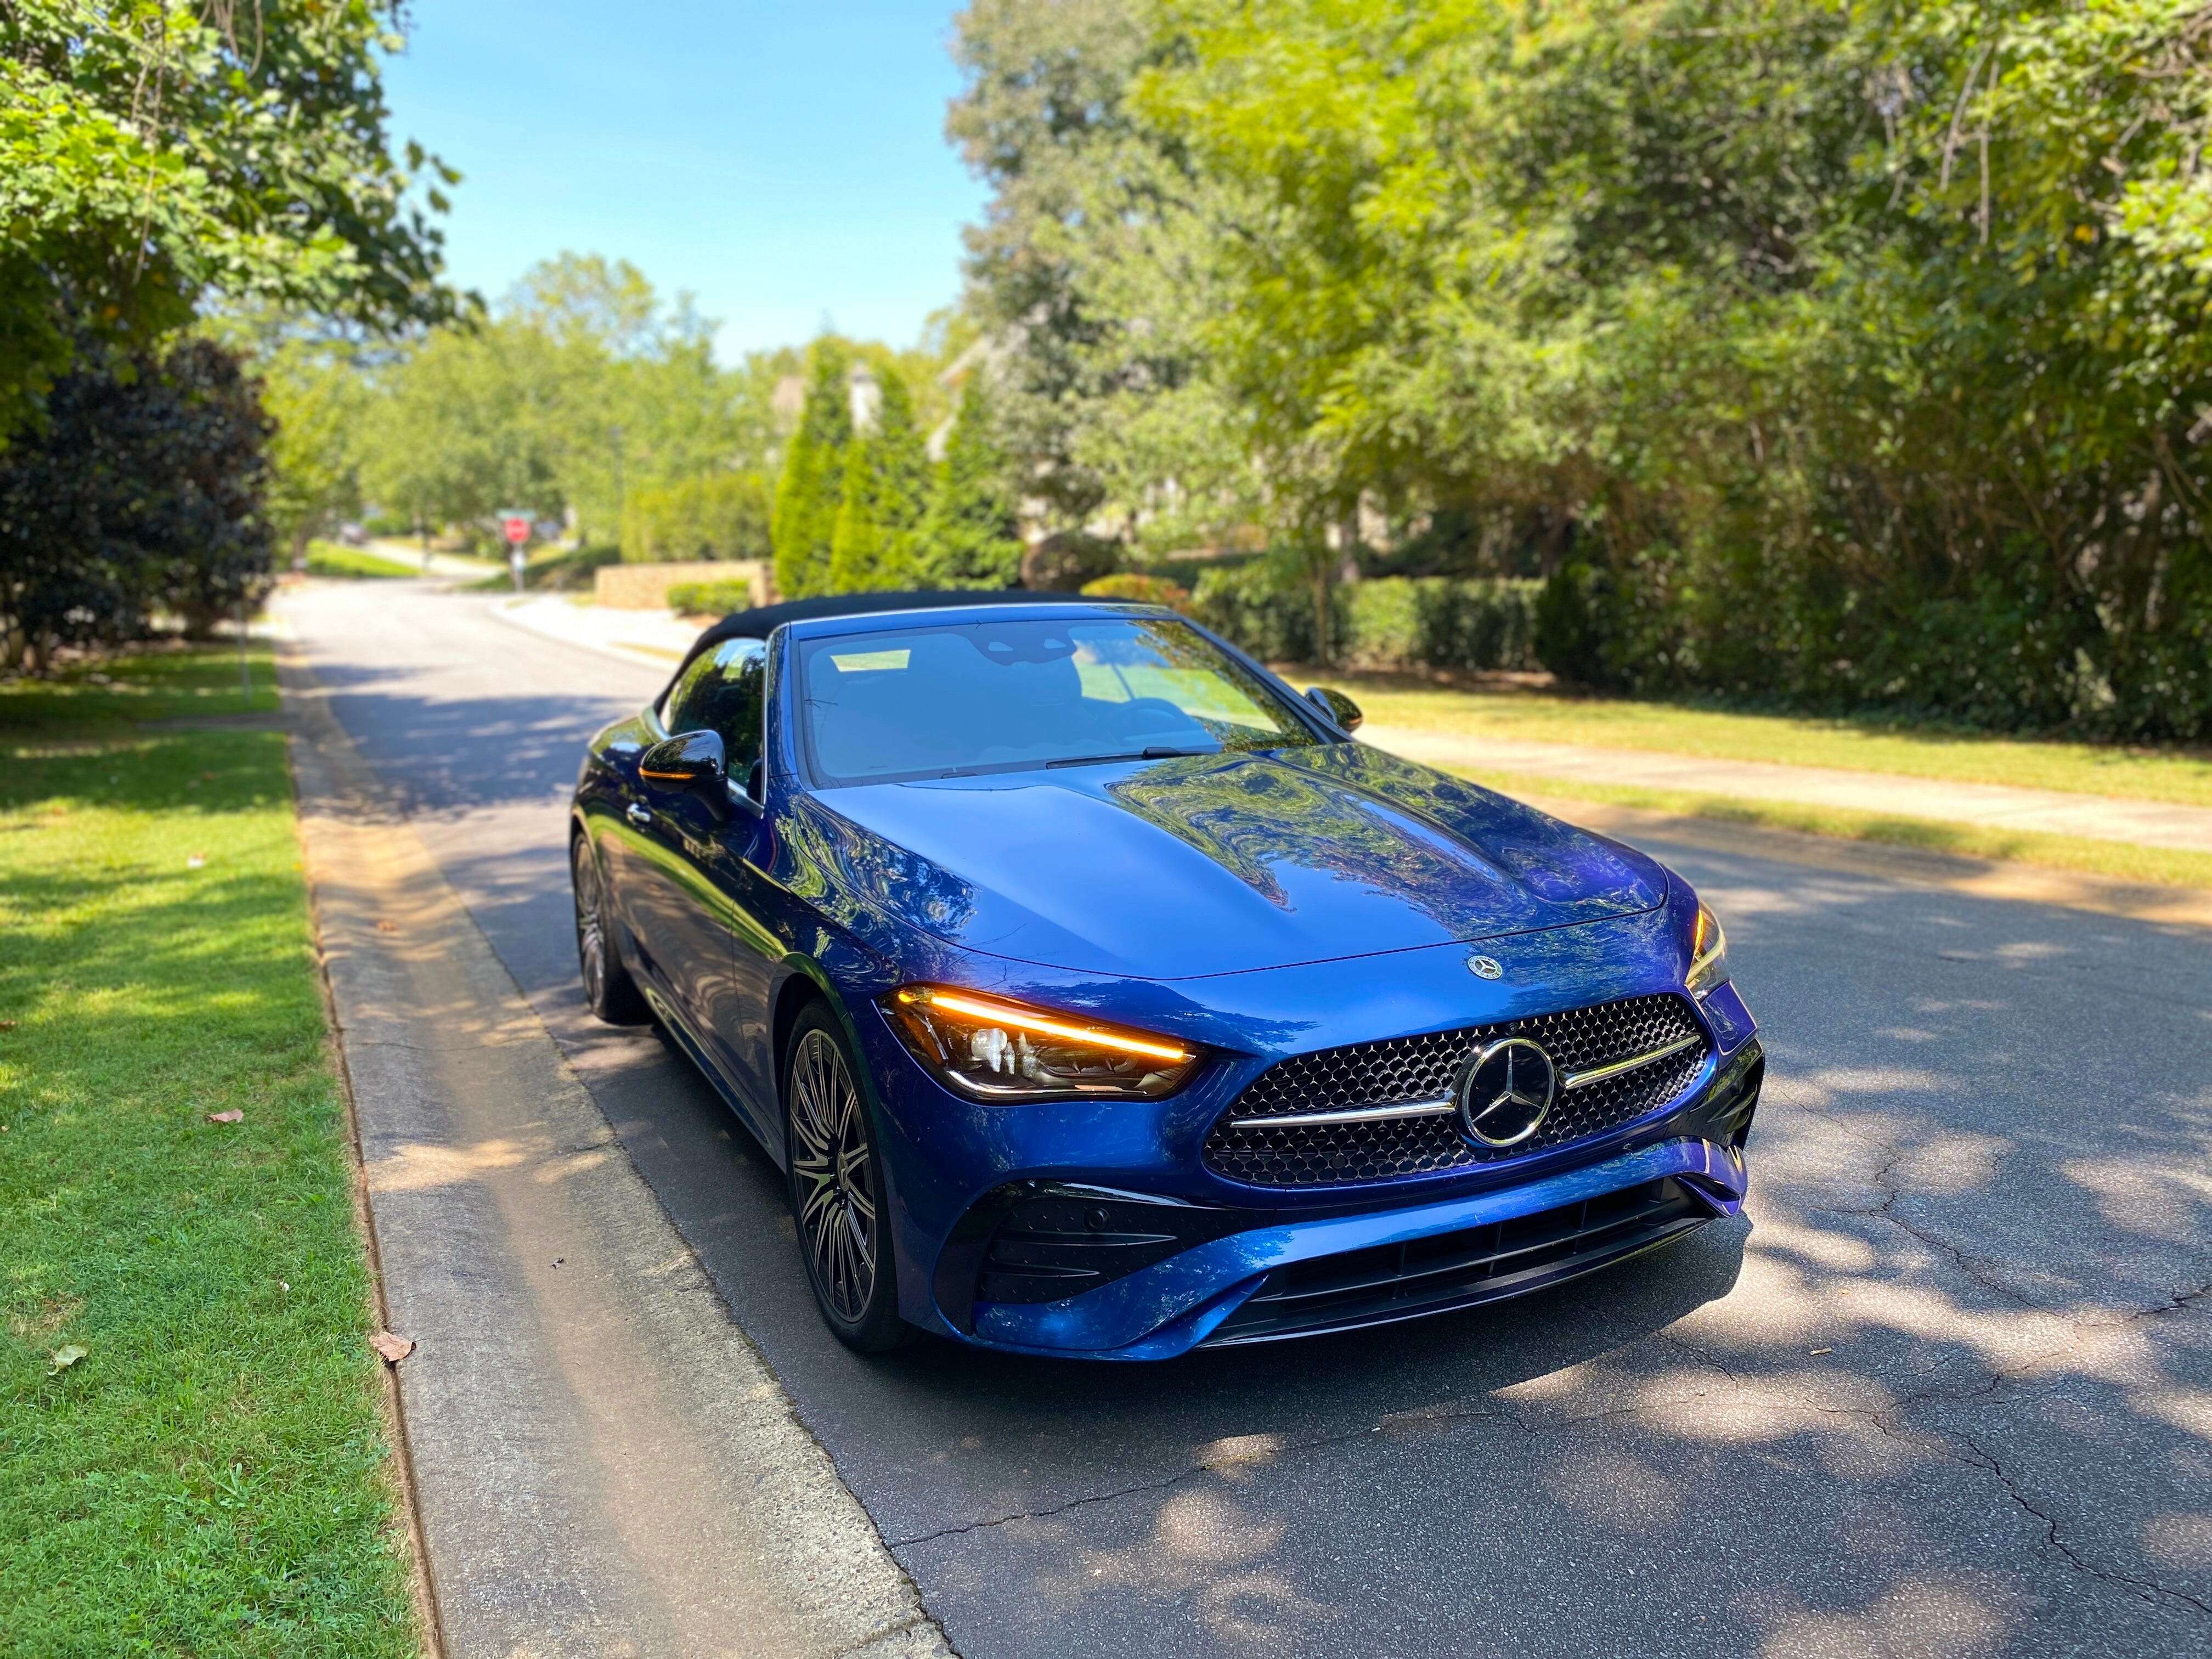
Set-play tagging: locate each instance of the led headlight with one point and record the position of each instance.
(997, 1050)
(1709, 963)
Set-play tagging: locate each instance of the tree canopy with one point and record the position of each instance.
(154, 153)
(1843, 353)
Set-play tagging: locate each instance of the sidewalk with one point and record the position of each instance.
(1997, 806)
(659, 638)
(600, 1459)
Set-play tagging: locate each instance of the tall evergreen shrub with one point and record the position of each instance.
(971, 535)
(885, 494)
(807, 494)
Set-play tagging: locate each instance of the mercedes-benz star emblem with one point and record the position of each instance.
(1508, 1089)
(1484, 967)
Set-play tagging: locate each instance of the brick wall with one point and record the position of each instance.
(644, 586)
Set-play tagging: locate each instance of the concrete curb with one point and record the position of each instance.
(600, 1461)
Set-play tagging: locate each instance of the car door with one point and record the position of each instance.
(698, 887)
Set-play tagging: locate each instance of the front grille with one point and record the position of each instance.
(1406, 1069)
(1459, 1270)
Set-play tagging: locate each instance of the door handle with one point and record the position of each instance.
(638, 814)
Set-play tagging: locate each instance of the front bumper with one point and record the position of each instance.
(952, 1165)
(1252, 1275)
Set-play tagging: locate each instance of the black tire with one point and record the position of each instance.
(838, 1198)
(609, 989)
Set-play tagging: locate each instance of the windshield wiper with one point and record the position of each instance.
(1156, 752)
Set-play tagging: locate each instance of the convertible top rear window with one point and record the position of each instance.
(991, 697)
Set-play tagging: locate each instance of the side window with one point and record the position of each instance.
(725, 692)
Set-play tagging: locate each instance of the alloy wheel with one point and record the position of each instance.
(829, 1163)
(590, 931)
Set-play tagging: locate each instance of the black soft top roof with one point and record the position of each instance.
(764, 620)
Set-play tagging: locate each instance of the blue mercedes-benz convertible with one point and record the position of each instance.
(1100, 997)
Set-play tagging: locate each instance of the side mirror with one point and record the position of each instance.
(1338, 707)
(689, 763)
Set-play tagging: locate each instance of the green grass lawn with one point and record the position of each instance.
(211, 1476)
(2184, 776)
(2120, 860)
(330, 559)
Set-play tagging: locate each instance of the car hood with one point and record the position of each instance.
(1219, 864)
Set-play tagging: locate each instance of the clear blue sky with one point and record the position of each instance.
(782, 161)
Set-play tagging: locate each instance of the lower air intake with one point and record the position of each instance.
(1462, 1269)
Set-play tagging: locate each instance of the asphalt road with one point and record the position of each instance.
(1947, 1388)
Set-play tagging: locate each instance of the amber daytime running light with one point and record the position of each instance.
(997, 1050)
(1709, 964)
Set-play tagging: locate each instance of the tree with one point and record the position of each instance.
(715, 515)
(1844, 355)
(885, 491)
(1091, 275)
(152, 153)
(808, 494)
(971, 534)
(141, 490)
(463, 426)
(313, 391)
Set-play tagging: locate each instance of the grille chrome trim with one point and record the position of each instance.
(1256, 1143)
(1590, 1074)
(1355, 1114)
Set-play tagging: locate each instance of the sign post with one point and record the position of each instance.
(516, 526)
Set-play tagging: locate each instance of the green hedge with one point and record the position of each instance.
(1143, 589)
(709, 599)
(1390, 622)
(719, 515)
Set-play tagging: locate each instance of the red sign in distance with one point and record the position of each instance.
(516, 529)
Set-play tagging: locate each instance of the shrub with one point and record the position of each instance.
(718, 515)
(142, 491)
(1251, 604)
(971, 535)
(1437, 621)
(709, 599)
(1145, 590)
(1387, 624)
(1070, 559)
(811, 487)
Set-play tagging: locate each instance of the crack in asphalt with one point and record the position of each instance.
(2149, 1589)
(1892, 1192)
(1317, 1442)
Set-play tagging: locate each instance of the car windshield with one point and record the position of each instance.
(989, 696)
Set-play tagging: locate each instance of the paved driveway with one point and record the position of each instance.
(1947, 1388)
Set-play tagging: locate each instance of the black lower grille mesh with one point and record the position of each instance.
(1461, 1269)
(1414, 1069)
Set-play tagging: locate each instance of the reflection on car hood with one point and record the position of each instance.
(1220, 864)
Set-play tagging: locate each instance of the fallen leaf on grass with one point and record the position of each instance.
(6, 1024)
(234, 1116)
(197, 861)
(394, 1348)
(63, 1358)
